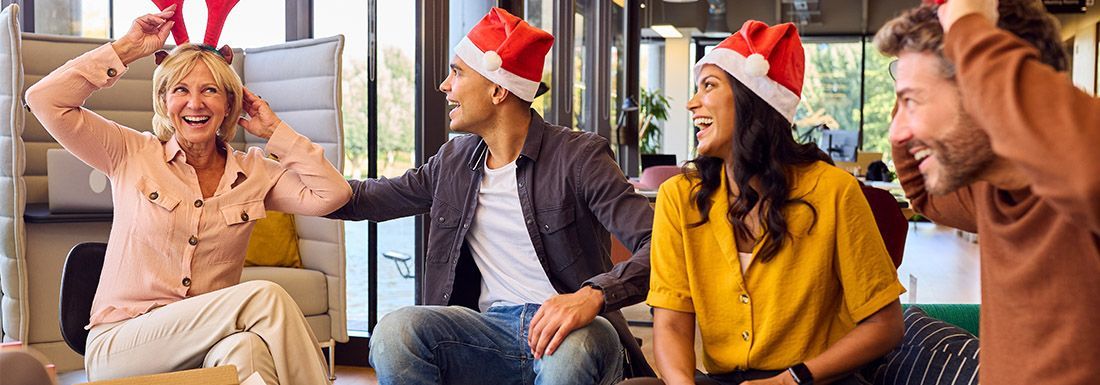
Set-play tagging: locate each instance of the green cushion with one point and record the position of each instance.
(962, 315)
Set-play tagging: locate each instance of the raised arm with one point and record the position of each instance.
(1035, 117)
(56, 100)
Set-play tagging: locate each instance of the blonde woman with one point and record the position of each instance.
(185, 204)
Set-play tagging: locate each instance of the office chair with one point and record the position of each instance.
(79, 281)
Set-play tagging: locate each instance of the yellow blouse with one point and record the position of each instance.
(823, 281)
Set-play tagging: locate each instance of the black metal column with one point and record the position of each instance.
(432, 21)
(597, 78)
(629, 158)
(372, 159)
(515, 7)
(561, 111)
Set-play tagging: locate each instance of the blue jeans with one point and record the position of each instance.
(456, 345)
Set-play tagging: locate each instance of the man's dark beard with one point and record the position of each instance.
(963, 156)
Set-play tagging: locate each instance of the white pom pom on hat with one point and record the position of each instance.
(492, 60)
(756, 65)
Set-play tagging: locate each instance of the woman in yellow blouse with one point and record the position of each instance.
(772, 250)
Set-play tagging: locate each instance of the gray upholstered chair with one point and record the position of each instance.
(301, 81)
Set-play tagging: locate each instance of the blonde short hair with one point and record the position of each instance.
(174, 68)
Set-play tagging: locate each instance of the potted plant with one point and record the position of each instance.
(653, 109)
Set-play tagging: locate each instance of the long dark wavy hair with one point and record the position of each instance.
(764, 149)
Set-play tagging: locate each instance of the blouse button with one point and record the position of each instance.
(153, 195)
(244, 216)
(193, 240)
(198, 203)
(745, 335)
(744, 298)
(111, 72)
(187, 282)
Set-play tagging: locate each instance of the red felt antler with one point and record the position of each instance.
(216, 11)
(179, 31)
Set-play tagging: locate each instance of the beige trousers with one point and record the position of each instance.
(255, 326)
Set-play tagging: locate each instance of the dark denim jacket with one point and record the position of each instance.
(571, 192)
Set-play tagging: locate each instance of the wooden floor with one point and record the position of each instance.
(939, 267)
(351, 375)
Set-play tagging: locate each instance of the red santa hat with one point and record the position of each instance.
(768, 60)
(507, 51)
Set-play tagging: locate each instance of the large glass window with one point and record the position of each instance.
(580, 64)
(831, 90)
(540, 13)
(396, 144)
(88, 18)
(249, 24)
(618, 67)
(878, 102)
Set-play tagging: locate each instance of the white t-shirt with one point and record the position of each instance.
(501, 246)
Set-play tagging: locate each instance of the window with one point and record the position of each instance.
(395, 144)
(250, 24)
(540, 13)
(87, 18)
(618, 66)
(878, 102)
(831, 89)
(580, 64)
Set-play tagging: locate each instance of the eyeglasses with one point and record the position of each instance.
(893, 68)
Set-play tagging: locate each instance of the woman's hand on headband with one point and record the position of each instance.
(145, 36)
(261, 120)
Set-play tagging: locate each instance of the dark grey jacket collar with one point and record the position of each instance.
(532, 144)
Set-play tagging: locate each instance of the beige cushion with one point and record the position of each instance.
(307, 287)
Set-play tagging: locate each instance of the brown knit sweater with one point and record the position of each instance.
(1040, 247)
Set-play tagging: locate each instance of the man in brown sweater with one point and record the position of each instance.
(990, 136)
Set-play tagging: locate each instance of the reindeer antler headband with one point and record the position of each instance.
(216, 12)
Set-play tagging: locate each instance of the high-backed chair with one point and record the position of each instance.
(892, 224)
(300, 80)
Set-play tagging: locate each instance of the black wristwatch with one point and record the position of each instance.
(801, 374)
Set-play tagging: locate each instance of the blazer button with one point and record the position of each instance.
(198, 203)
(153, 195)
(193, 241)
(244, 216)
(187, 282)
(111, 72)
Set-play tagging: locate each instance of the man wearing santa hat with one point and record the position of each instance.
(518, 279)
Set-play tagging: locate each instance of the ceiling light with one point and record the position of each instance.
(667, 31)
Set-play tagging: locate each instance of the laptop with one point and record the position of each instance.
(650, 160)
(75, 187)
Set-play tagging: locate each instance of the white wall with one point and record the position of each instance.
(1084, 58)
(678, 131)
